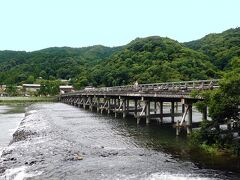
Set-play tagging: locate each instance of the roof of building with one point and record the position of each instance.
(31, 85)
(66, 87)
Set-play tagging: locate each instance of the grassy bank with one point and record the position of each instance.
(20, 100)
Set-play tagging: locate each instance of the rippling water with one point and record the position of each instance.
(58, 141)
(9, 121)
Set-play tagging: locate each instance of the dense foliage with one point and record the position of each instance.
(50, 64)
(224, 108)
(146, 60)
(222, 48)
(150, 60)
(49, 87)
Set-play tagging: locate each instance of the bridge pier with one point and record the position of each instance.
(103, 105)
(172, 111)
(176, 106)
(127, 106)
(155, 107)
(98, 104)
(108, 105)
(161, 111)
(189, 120)
(183, 108)
(115, 107)
(84, 102)
(124, 108)
(91, 103)
(204, 113)
(135, 107)
(147, 111)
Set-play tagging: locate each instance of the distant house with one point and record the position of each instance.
(19, 88)
(31, 87)
(2, 90)
(89, 88)
(2, 86)
(66, 89)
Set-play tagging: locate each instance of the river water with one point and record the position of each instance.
(10, 118)
(59, 141)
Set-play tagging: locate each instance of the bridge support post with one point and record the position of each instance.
(172, 112)
(69, 100)
(115, 107)
(119, 102)
(138, 119)
(176, 107)
(103, 106)
(78, 102)
(177, 128)
(124, 108)
(108, 105)
(161, 111)
(91, 103)
(183, 108)
(127, 106)
(135, 107)
(74, 101)
(204, 113)
(98, 106)
(147, 112)
(189, 119)
(155, 107)
(84, 102)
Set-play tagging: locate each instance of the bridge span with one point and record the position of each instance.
(144, 101)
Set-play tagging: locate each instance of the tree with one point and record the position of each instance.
(43, 74)
(49, 88)
(223, 104)
(30, 79)
(11, 90)
(224, 108)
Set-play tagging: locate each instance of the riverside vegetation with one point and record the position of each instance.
(224, 109)
(146, 60)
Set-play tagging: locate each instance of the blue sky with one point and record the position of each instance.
(35, 24)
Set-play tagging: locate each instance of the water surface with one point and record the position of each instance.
(58, 141)
(10, 117)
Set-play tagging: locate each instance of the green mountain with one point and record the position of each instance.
(152, 59)
(222, 48)
(146, 60)
(50, 63)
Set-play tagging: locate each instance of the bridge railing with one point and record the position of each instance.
(184, 86)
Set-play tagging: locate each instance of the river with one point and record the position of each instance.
(10, 117)
(59, 141)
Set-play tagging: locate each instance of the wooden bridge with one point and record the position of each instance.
(144, 101)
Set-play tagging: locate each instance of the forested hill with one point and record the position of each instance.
(152, 59)
(146, 60)
(223, 48)
(51, 63)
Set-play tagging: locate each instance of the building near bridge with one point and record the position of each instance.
(2, 86)
(3, 90)
(66, 89)
(31, 87)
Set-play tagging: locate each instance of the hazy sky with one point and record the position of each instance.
(35, 24)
